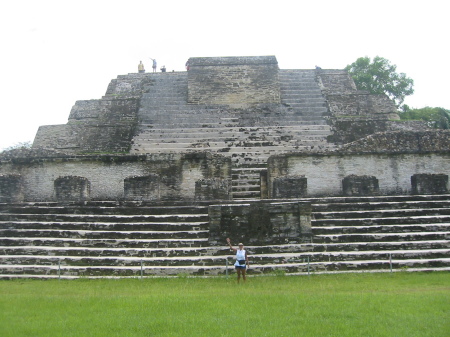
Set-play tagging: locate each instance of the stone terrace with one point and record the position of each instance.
(167, 123)
(106, 239)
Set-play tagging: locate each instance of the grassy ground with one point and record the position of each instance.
(400, 304)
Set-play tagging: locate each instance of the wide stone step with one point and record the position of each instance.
(378, 206)
(350, 246)
(9, 271)
(113, 261)
(243, 195)
(201, 261)
(136, 271)
(103, 208)
(246, 183)
(246, 188)
(253, 141)
(439, 227)
(299, 115)
(105, 226)
(276, 134)
(349, 266)
(243, 176)
(105, 243)
(374, 237)
(379, 198)
(382, 213)
(284, 250)
(164, 218)
(299, 118)
(424, 219)
(252, 152)
(293, 88)
(302, 98)
(260, 152)
(95, 234)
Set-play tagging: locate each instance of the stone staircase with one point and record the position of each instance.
(167, 123)
(108, 239)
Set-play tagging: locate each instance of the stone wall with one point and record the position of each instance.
(213, 189)
(107, 174)
(260, 223)
(11, 188)
(235, 81)
(360, 103)
(429, 183)
(335, 81)
(344, 99)
(354, 185)
(402, 142)
(351, 129)
(145, 188)
(72, 188)
(325, 172)
(355, 114)
(289, 187)
(104, 125)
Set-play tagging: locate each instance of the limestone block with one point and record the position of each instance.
(305, 210)
(336, 81)
(11, 188)
(260, 223)
(263, 183)
(429, 183)
(290, 187)
(360, 185)
(233, 81)
(213, 189)
(72, 188)
(142, 187)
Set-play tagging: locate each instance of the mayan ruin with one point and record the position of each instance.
(150, 179)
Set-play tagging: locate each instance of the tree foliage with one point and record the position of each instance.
(380, 77)
(438, 118)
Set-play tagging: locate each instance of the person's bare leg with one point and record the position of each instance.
(243, 275)
(238, 274)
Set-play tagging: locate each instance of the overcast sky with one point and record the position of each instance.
(54, 53)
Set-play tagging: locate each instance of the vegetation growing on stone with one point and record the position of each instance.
(438, 118)
(379, 76)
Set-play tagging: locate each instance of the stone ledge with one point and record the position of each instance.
(232, 60)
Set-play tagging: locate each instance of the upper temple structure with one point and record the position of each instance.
(152, 178)
(235, 119)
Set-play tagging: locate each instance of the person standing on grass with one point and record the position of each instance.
(241, 260)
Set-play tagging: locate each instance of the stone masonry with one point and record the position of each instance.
(233, 81)
(245, 109)
(151, 179)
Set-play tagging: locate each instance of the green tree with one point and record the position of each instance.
(380, 77)
(438, 118)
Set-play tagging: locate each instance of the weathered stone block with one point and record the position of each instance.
(263, 183)
(290, 187)
(72, 188)
(429, 183)
(305, 210)
(11, 188)
(142, 188)
(213, 189)
(260, 223)
(360, 185)
(233, 81)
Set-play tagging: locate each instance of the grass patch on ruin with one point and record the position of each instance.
(399, 304)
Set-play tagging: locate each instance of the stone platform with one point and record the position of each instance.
(132, 239)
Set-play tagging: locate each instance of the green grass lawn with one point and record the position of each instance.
(399, 304)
